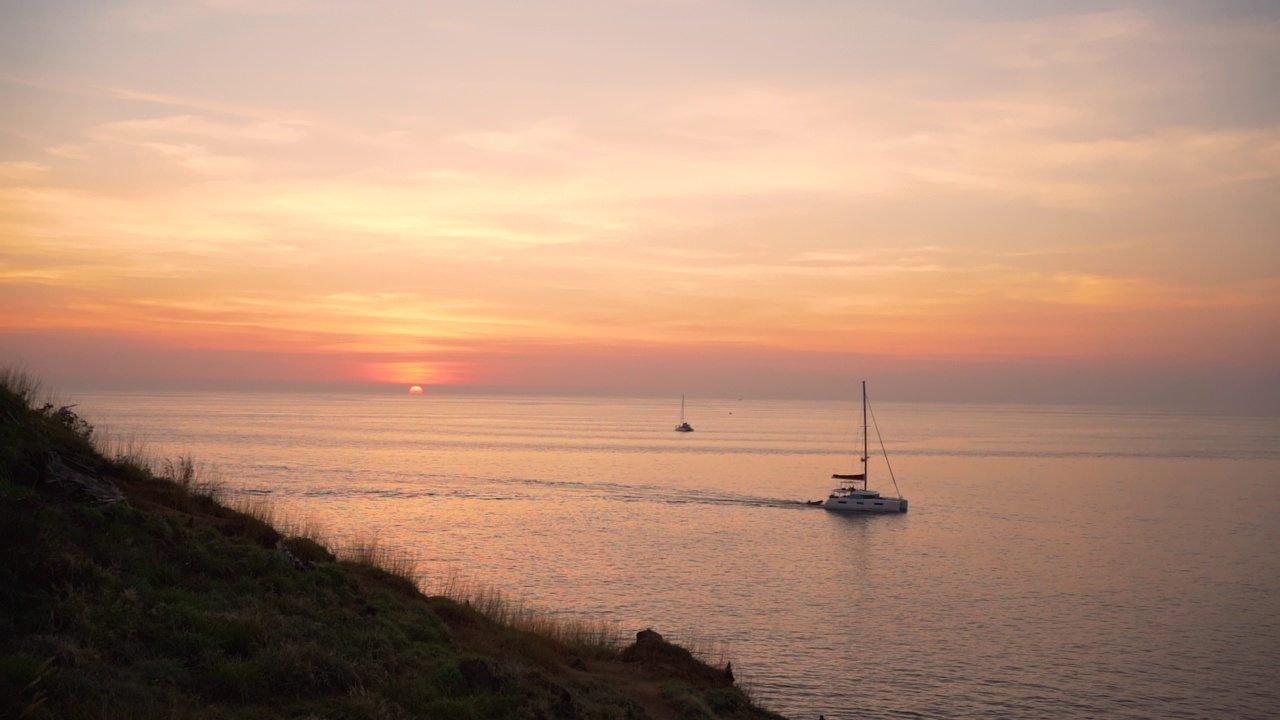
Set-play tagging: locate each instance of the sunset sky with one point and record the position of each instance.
(968, 200)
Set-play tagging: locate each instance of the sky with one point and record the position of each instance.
(970, 201)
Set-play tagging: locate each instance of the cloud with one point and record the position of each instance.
(201, 160)
(194, 126)
(152, 17)
(1089, 39)
(224, 107)
(543, 139)
(257, 7)
(206, 147)
(21, 169)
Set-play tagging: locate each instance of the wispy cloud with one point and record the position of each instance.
(257, 7)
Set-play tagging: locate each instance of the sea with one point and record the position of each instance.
(1064, 562)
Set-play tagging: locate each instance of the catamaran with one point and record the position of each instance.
(683, 426)
(852, 494)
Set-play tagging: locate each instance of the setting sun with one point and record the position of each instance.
(415, 390)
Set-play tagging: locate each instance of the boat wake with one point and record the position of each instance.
(527, 490)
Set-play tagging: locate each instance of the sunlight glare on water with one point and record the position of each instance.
(1056, 562)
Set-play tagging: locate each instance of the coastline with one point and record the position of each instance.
(136, 592)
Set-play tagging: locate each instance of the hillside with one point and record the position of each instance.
(127, 592)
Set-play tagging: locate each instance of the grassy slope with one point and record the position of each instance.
(172, 605)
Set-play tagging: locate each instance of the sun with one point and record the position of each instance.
(415, 390)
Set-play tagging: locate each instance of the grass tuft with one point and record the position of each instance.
(123, 449)
(593, 636)
(25, 387)
(194, 476)
(370, 551)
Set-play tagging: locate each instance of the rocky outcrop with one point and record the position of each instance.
(69, 475)
(654, 653)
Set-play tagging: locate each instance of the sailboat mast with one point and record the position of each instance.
(681, 409)
(864, 434)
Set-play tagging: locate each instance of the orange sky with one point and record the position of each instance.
(643, 196)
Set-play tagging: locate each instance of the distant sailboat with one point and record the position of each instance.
(683, 426)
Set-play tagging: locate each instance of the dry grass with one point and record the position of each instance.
(192, 475)
(366, 549)
(255, 507)
(709, 650)
(370, 550)
(518, 614)
(126, 449)
(20, 382)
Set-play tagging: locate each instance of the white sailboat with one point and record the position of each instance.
(683, 426)
(852, 494)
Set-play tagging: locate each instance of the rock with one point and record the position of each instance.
(288, 555)
(65, 475)
(664, 658)
(306, 551)
(480, 675)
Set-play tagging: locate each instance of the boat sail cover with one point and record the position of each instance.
(859, 476)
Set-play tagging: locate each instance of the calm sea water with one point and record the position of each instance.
(1056, 562)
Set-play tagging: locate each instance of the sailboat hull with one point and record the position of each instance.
(866, 504)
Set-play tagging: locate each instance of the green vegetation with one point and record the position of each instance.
(133, 592)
